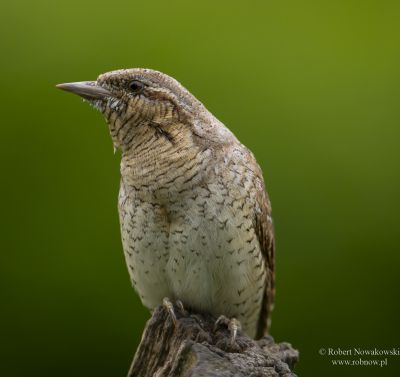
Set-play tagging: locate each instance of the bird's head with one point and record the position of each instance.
(145, 106)
(158, 124)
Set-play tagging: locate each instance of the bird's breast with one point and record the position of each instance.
(200, 248)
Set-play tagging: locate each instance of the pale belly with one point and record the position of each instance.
(198, 251)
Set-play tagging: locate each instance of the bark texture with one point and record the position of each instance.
(193, 347)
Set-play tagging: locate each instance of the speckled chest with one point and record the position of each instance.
(199, 247)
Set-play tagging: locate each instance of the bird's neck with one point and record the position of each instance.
(156, 166)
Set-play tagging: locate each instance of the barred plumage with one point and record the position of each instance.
(195, 217)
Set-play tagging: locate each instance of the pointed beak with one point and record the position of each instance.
(86, 89)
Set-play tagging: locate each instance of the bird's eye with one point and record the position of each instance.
(136, 86)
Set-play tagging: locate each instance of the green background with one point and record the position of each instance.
(311, 87)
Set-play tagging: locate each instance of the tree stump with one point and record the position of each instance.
(194, 347)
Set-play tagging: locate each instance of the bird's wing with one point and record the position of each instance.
(265, 233)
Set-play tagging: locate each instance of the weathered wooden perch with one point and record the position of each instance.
(194, 348)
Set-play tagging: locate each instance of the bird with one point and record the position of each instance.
(195, 217)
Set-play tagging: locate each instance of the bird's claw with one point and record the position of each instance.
(170, 308)
(233, 326)
(181, 308)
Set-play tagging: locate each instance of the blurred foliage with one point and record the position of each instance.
(311, 87)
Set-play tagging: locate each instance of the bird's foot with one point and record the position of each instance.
(233, 326)
(171, 310)
(181, 308)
